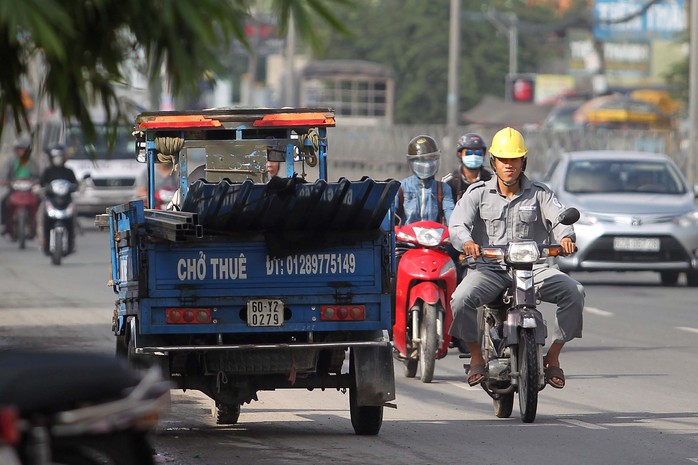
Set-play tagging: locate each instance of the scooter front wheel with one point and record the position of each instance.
(528, 375)
(57, 252)
(428, 344)
(21, 228)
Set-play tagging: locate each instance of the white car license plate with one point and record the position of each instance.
(265, 312)
(637, 244)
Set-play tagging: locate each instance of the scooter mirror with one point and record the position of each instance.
(569, 216)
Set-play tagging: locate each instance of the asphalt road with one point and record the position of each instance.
(630, 395)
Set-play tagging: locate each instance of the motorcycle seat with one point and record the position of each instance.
(49, 382)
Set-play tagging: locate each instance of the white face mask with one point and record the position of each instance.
(472, 161)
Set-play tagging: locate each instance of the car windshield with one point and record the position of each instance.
(124, 147)
(602, 176)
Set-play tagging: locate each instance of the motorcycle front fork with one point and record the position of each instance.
(502, 357)
(415, 313)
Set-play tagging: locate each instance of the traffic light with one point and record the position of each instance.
(521, 88)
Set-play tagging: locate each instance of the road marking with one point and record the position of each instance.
(583, 424)
(465, 386)
(597, 311)
(689, 329)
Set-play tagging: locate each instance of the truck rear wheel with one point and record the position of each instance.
(366, 419)
(225, 414)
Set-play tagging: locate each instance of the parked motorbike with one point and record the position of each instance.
(426, 278)
(76, 409)
(22, 204)
(59, 220)
(513, 329)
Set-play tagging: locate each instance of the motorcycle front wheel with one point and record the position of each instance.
(528, 375)
(427, 342)
(21, 228)
(57, 252)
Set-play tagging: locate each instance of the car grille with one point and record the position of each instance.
(114, 182)
(670, 250)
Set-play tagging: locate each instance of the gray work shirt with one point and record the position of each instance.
(487, 217)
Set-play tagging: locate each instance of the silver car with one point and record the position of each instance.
(638, 213)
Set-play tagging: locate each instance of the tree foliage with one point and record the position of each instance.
(82, 46)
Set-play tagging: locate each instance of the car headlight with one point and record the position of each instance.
(687, 220)
(523, 252)
(429, 237)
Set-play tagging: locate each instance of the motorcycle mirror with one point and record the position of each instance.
(568, 216)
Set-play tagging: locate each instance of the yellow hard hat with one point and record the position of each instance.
(508, 143)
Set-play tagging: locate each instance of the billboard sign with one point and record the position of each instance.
(661, 20)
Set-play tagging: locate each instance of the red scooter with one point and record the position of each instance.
(426, 278)
(22, 204)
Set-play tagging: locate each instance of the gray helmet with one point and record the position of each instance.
(471, 141)
(56, 154)
(23, 142)
(423, 155)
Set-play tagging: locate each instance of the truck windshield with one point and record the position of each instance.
(123, 148)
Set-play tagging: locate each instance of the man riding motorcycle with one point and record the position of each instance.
(470, 151)
(56, 170)
(511, 206)
(21, 166)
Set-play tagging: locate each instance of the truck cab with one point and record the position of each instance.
(250, 282)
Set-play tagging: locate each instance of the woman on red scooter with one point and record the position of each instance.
(421, 197)
(21, 166)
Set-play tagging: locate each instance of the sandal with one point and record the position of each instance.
(476, 374)
(554, 376)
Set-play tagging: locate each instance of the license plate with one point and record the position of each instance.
(265, 312)
(637, 244)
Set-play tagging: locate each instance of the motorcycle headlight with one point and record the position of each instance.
(60, 187)
(429, 237)
(687, 220)
(523, 252)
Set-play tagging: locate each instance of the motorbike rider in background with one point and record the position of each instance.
(21, 166)
(510, 206)
(165, 178)
(421, 197)
(470, 152)
(56, 170)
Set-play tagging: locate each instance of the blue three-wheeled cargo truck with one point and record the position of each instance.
(248, 282)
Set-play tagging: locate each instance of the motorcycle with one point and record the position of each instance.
(59, 220)
(513, 329)
(163, 197)
(426, 278)
(77, 409)
(22, 204)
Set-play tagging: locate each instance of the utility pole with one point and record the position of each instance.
(510, 27)
(453, 64)
(693, 95)
(290, 82)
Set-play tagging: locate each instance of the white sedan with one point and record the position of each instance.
(638, 213)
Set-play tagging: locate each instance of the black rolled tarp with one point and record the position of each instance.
(291, 205)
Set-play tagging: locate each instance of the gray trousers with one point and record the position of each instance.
(483, 285)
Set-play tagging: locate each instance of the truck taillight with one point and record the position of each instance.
(342, 313)
(188, 316)
(9, 429)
